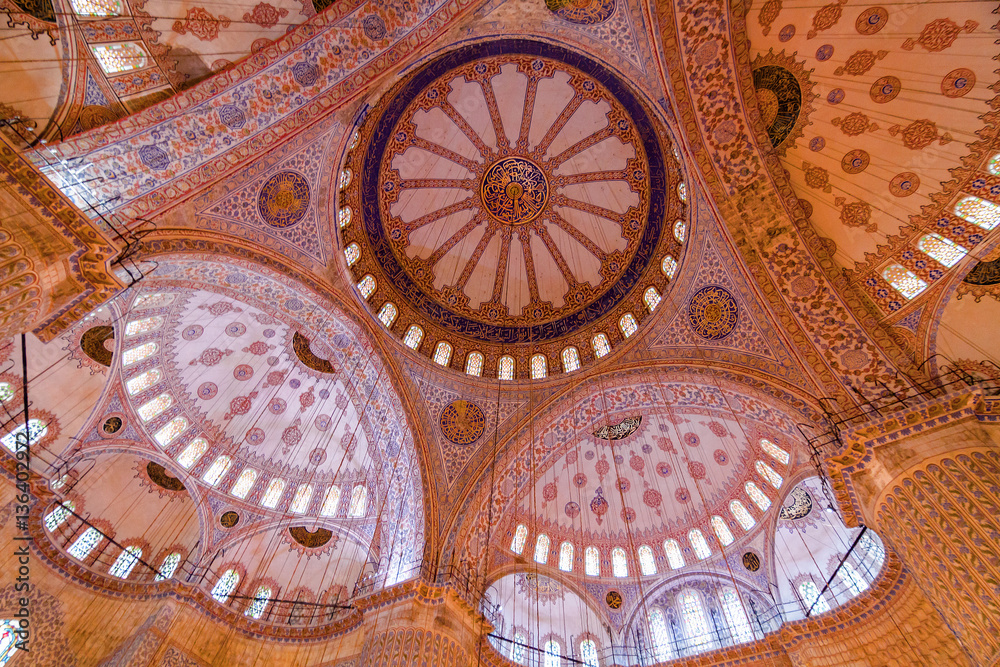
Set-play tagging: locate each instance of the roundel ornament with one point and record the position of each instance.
(462, 422)
(614, 599)
(713, 312)
(283, 200)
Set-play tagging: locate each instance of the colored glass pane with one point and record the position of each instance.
(669, 267)
(854, 582)
(155, 406)
(566, 557)
(661, 636)
(442, 353)
(742, 514)
(85, 543)
(520, 536)
(413, 337)
(352, 253)
(145, 325)
(6, 392)
(244, 483)
(757, 496)
(218, 468)
(736, 616)
(8, 641)
(945, 251)
(680, 230)
(873, 549)
(570, 359)
(192, 452)
(168, 433)
(225, 585)
(722, 530)
(812, 599)
(775, 452)
(978, 212)
(904, 281)
(517, 648)
(137, 354)
(698, 544)
(168, 566)
(542, 549)
(693, 614)
(674, 556)
(505, 368)
(539, 367)
(682, 191)
(366, 286)
(273, 493)
(474, 364)
(117, 58)
(36, 429)
(125, 562)
(331, 501)
(57, 516)
(647, 561)
(97, 7)
(259, 604)
(993, 166)
(592, 561)
(600, 345)
(767, 472)
(155, 300)
(344, 217)
(300, 502)
(345, 178)
(553, 653)
(588, 653)
(141, 383)
(359, 501)
(387, 315)
(619, 563)
(627, 324)
(651, 298)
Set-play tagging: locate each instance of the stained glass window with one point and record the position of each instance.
(570, 359)
(647, 561)
(354, 139)
(736, 616)
(661, 636)
(520, 536)
(6, 393)
(699, 544)
(303, 495)
(244, 483)
(767, 472)
(387, 315)
(566, 557)
(192, 452)
(137, 354)
(359, 501)
(904, 281)
(669, 267)
(628, 325)
(225, 585)
(651, 299)
(218, 468)
(116, 58)
(695, 624)
(722, 530)
(776, 453)
(945, 251)
(505, 368)
(259, 604)
(97, 7)
(849, 576)
(993, 166)
(542, 549)
(682, 191)
(331, 501)
(474, 364)
(125, 562)
(619, 563)
(601, 345)
(57, 516)
(442, 353)
(141, 383)
(414, 335)
(168, 566)
(812, 599)
(366, 286)
(553, 653)
(155, 406)
(873, 550)
(8, 641)
(36, 430)
(978, 212)
(742, 514)
(145, 325)
(592, 561)
(757, 496)
(155, 300)
(168, 433)
(85, 543)
(517, 647)
(674, 556)
(273, 493)
(352, 253)
(539, 366)
(588, 653)
(344, 217)
(345, 178)
(680, 229)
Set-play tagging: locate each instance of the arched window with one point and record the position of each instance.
(811, 599)
(225, 585)
(660, 635)
(84, 544)
(736, 616)
(767, 472)
(674, 556)
(945, 251)
(627, 324)
(566, 557)
(517, 647)
(344, 217)
(619, 563)
(542, 549)
(903, 280)
(651, 298)
(698, 544)
(300, 502)
(36, 430)
(601, 345)
(669, 267)
(137, 354)
(141, 383)
(647, 561)
(169, 433)
(97, 7)
(874, 551)
(757, 496)
(154, 407)
(588, 653)
(570, 359)
(722, 530)
(125, 562)
(215, 472)
(145, 325)
(680, 230)
(520, 536)
(354, 140)
(742, 514)
(682, 191)
(505, 368)
(978, 212)
(273, 493)
(387, 315)
(330, 501)
(775, 452)
(244, 483)
(345, 178)
(414, 335)
(359, 501)
(58, 515)
(366, 286)
(854, 582)
(6, 393)
(155, 300)
(442, 353)
(539, 366)
(352, 253)
(192, 452)
(474, 364)
(168, 566)
(116, 58)
(693, 615)
(259, 604)
(592, 562)
(553, 653)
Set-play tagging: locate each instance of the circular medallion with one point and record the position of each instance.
(779, 95)
(958, 82)
(713, 312)
(614, 599)
(871, 20)
(904, 184)
(855, 161)
(583, 12)
(462, 422)
(284, 199)
(786, 33)
(112, 425)
(824, 52)
(514, 190)
(885, 89)
(816, 144)
(229, 519)
(797, 505)
(835, 96)
(751, 561)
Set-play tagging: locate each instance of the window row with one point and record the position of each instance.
(695, 630)
(518, 651)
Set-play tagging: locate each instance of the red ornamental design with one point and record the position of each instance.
(628, 515)
(826, 17)
(258, 347)
(307, 399)
(265, 15)
(603, 467)
(721, 457)
(696, 469)
(718, 430)
(275, 378)
(240, 405)
(662, 469)
(549, 491)
(939, 34)
(243, 372)
(255, 436)
(692, 439)
(665, 444)
(599, 506)
(211, 356)
(571, 457)
(920, 134)
(579, 479)
(572, 509)
(220, 308)
(638, 464)
(290, 437)
(682, 495)
(652, 498)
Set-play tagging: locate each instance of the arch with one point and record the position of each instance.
(330, 501)
(570, 359)
(627, 324)
(651, 298)
(474, 364)
(647, 561)
(366, 286)
(903, 280)
(520, 537)
(225, 586)
(414, 336)
(216, 471)
(619, 562)
(539, 366)
(387, 314)
(442, 353)
(944, 251)
(244, 483)
(275, 489)
(505, 368)
(359, 501)
(566, 556)
(601, 345)
(352, 253)
(542, 549)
